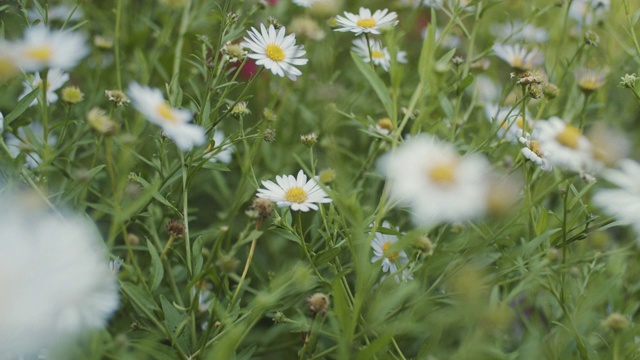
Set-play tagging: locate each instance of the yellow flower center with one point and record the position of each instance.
(166, 112)
(296, 195)
(366, 23)
(443, 174)
(392, 256)
(7, 68)
(516, 62)
(589, 84)
(377, 54)
(42, 53)
(385, 123)
(569, 137)
(274, 52)
(535, 147)
(48, 84)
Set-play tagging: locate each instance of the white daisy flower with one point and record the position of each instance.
(43, 48)
(624, 202)
(275, 51)
(518, 57)
(564, 145)
(55, 281)
(365, 22)
(535, 153)
(174, 122)
(298, 193)
(56, 78)
(381, 244)
(510, 122)
(429, 176)
(224, 151)
(1, 123)
(380, 55)
(23, 143)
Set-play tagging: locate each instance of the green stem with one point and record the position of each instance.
(246, 267)
(177, 55)
(185, 214)
(117, 44)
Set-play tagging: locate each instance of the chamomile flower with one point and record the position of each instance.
(586, 12)
(380, 55)
(516, 31)
(535, 153)
(381, 244)
(564, 145)
(275, 51)
(297, 193)
(55, 79)
(510, 122)
(175, 122)
(623, 202)
(57, 12)
(365, 21)
(518, 57)
(438, 185)
(43, 48)
(24, 142)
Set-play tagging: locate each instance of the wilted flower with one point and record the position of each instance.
(234, 52)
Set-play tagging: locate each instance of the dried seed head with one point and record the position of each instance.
(263, 207)
(117, 97)
(269, 135)
(175, 228)
(617, 322)
(535, 91)
(309, 139)
(550, 90)
(318, 303)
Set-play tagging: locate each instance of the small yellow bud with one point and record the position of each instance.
(72, 95)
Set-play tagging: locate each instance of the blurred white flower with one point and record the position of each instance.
(518, 57)
(29, 138)
(380, 55)
(175, 122)
(298, 193)
(43, 48)
(224, 150)
(57, 12)
(624, 202)
(516, 31)
(509, 121)
(275, 51)
(1, 123)
(485, 89)
(55, 280)
(564, 145)
(56, 78)
(305, 3)
(365, 21)
(586, 12)
(429, 176)
(381, 244)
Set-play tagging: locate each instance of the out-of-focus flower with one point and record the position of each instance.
(485, 89)
(564, 145)
(535, 153)
(305, 3)
(587, 12)
(589, 80)
(55, 279)
(72, 95)
(378, 53)
(518, 57)
(55, 79)
(223, 151)
(57, 13)
(365, 21)
(609, 145)
(307, 27)
(438, 185)
(43, 48)
(174, 122)
(510, 121)
(101, 121)
(23, 143)
(623, 202)
(234, 52)
(516, 31)
(275, 51)
(381, 245)
(297, 193)
(117, 97)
